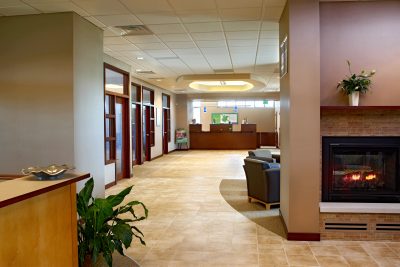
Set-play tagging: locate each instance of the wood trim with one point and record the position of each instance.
(304, 236)
(116, 94)
(74, 226)
(41, 191)
(283, 222)
(355, 108)
(110, 184)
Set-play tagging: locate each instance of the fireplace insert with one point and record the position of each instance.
(360, 169)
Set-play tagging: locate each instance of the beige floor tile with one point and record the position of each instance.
(273, 259)
(332, 261)
(355, 251)
(361, 261)
(324, 250)
(292, 249)
(302, 260)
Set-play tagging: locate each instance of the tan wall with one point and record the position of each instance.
(367, 33)
(36, 91)
(50, 82)
(263, 117)
(300, 119)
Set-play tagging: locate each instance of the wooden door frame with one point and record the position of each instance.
(165, 131)
(125, 140)
(147, 122)
(138, 116)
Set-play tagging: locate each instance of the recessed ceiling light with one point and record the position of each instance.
(159, 80)
(138, 70)
(140, 58)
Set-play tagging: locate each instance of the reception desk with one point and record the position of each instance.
(221, 136)
(38, 221)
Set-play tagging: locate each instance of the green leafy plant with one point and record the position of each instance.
(356, 82)
(101, 230)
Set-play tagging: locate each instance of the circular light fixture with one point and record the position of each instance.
(221, 85)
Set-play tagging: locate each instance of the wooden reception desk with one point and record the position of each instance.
(38, 221)
(221, 136)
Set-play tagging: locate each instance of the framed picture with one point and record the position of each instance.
(284, 57)
(224, 118)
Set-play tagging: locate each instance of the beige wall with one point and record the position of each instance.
(49, 78)
(300, 118)
(263, 117)
(367, 33)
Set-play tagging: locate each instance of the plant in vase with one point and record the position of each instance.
(355, 84)
(101, 228)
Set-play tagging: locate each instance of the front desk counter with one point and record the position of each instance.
(221, 137)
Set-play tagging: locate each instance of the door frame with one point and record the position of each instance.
(125, 140)
(165, 131)
(137, 158)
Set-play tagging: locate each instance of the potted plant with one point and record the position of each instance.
(101, 228)
(355, 84)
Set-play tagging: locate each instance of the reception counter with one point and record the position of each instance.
(221, 136)
(38, 221)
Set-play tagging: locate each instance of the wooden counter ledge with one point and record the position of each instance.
(19, 189)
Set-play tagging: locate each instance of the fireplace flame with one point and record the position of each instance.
(370, 177)
(355, 177)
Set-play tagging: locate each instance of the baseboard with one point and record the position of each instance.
(299, 236)
(110, 184)
(157, 157)
(304, 236)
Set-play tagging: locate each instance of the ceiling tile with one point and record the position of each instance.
(119, 20)
(147, 6)
(187, 51)
(55, 6)
(95, 22)
(243, 35)
(102, 7)
(20, 9)
(176, 37)
(233, 14)
(180, 44)
(122, 47)
(233, 26)
(270, 26)
(208, 36)
(115, 40)
(205, 44)
(204, 27)
(133, 54)
(158, 18)
(7, 3)
(160, 53)
(251, 42)
(143, 39)
(271, 41)
(199, 16)
(110, 32)
(269, 34)
(239, 3)
(221, 51)
(152, 46)
(192, 5)
(167, 28)
(249, 50)
(278, 2)
(176, 65)
(219, 62)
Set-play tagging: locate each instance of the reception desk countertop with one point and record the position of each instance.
(19, 189)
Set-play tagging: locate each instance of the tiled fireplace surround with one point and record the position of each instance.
(360, 122)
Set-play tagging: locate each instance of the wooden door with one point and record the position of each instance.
(136, 134)
(146, 133)
(165, 131)
(121, 139)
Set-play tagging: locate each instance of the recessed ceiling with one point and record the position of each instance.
(189, 36)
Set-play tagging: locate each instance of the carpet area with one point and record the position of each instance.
(234, 191)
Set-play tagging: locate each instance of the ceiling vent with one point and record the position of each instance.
(145, 72)
(132, 30)
(223, 71)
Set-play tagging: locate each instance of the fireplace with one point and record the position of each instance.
(360, 169)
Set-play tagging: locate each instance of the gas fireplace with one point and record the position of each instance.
(360, 169)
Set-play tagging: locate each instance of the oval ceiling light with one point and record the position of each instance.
(221, 86)
(234, 82)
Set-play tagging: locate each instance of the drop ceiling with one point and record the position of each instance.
(189, 36)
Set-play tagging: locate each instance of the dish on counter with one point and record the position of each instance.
(45, 173)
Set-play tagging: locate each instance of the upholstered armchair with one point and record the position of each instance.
(262, 154)
(263, 181)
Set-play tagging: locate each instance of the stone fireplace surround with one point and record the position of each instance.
(360, 221)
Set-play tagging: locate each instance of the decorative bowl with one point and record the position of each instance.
(47, 173)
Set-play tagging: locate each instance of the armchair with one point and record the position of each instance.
(262, 154)
(263, 181)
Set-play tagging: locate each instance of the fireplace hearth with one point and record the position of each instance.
(361, 169)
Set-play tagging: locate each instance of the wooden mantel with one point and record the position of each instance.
(38, 221)
(358, 108)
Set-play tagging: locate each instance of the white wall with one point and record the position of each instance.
(263, 117)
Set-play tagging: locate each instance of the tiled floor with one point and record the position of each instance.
(199, 216)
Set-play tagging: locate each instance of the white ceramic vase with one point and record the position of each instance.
(354, 98)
